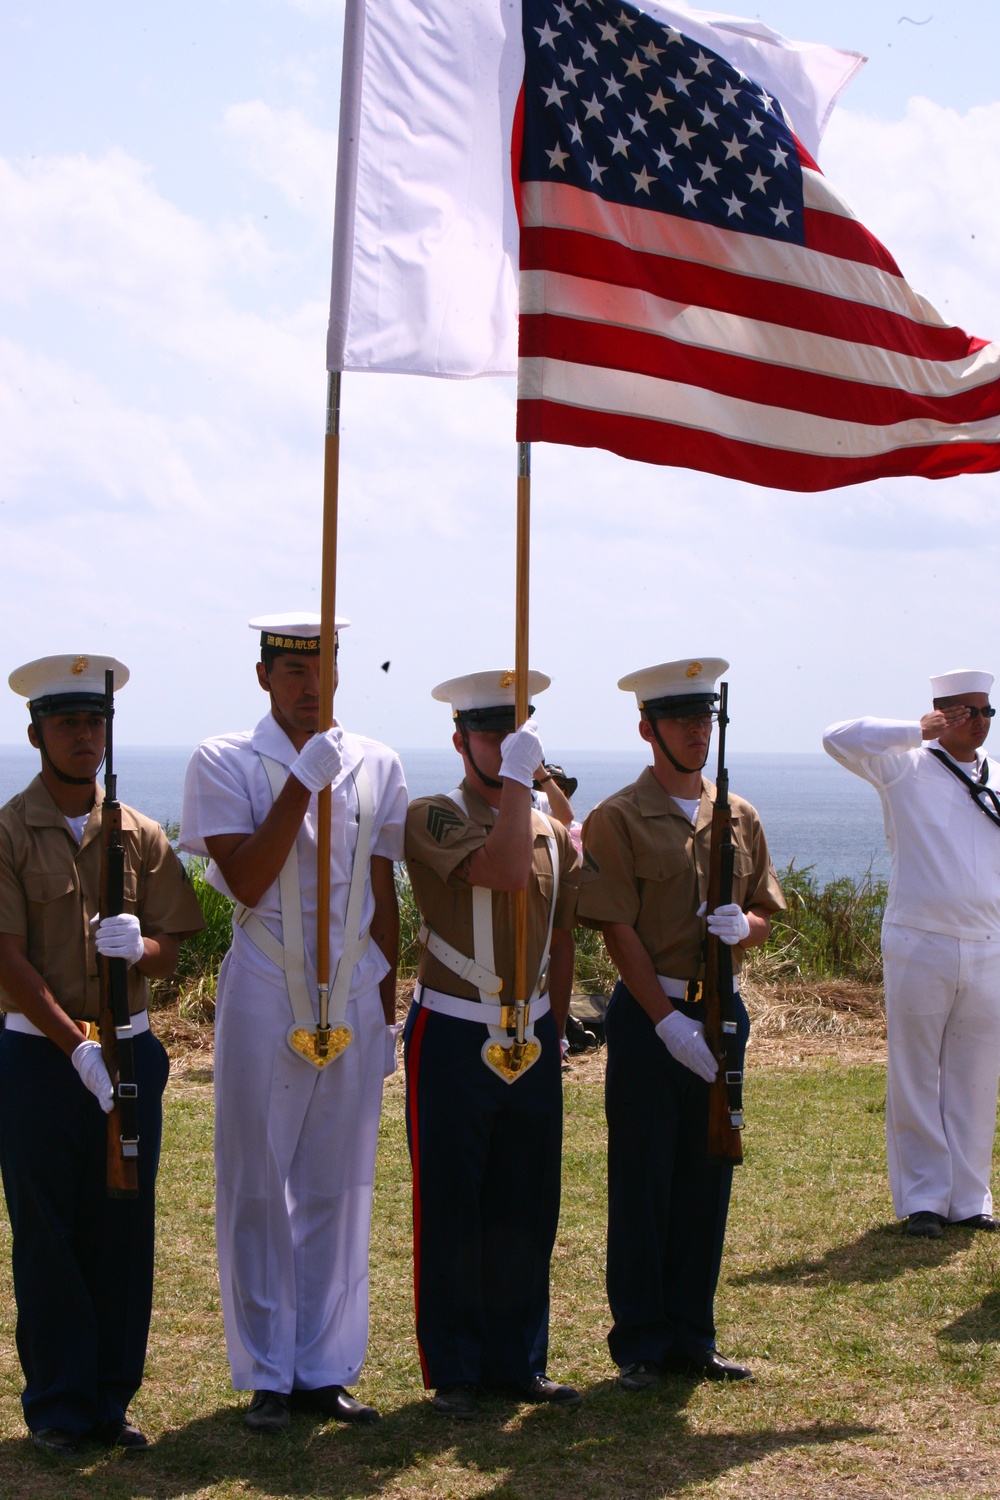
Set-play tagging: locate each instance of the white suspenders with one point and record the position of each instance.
(481, 969)
(289, 955)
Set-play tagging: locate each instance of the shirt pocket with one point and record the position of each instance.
(54, 914)
(667, 867)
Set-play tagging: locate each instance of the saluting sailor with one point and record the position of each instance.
(940, 948)
(296, 1131)
(645, 883)
(484, 1117)
(83, 1262)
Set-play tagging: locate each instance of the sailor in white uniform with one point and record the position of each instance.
(940, 946)
(295, 1131)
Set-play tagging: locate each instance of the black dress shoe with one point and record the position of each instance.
(333, 1401)
(120, 1435)
(925, 1225)
(269, 1412)
(985, 1222)
(640, 1375)
(55, 1442)
(458, 1401)
(542, 1390)
(705, 1364)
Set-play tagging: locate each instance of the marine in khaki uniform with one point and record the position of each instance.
(646, 858)
(485, 1134)
(82, 1262)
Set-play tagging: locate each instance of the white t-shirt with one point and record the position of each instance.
(689, 807)
(945, 873)
(77, 825)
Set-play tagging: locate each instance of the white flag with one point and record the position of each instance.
(426, 236)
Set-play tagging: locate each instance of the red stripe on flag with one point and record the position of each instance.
(611, 347)
(597, 259)
(833, 234)
(686, 447)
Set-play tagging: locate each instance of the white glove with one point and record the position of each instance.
(684, 1039)
(319, 760)
(119, 937)
(88, 1061)
(729, 924)
(521, 754)
(391, 1056)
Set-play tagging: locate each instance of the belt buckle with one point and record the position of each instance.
(508, 1016)
(90, 1029)
(694, 991)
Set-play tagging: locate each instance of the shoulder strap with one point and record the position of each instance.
(976, 789)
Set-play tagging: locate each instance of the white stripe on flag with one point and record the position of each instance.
(705, 328)
(592, 388)
(559, 206)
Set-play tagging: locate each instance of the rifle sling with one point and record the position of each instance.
(975, 788)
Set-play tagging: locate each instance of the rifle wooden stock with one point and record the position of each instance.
(123, 1163)
(725, 1143)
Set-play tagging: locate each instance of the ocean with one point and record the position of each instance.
(813, 811)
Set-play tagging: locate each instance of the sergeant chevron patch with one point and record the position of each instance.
(441, 821)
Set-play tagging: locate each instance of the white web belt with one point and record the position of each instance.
(289, 954)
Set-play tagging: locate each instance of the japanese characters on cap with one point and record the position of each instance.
(292, 631)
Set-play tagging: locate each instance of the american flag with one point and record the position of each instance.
(693, 291)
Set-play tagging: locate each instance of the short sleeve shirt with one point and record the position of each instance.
(439, 838)
(646, 866)
(50, 890)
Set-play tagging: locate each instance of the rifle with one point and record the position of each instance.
(115, 1022)
(725, 1102)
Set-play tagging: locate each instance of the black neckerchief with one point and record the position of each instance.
(977, 787)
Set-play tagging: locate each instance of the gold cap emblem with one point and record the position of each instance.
(694, 670)
(507, 679)
(79, 666)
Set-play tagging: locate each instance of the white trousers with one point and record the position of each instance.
(295, 1168)
(942, 1001)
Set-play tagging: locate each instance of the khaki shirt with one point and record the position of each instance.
(438, 838)
(50, 889)
(645, 866)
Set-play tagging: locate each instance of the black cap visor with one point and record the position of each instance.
(499, 720)
(67, 703)
(686, 706)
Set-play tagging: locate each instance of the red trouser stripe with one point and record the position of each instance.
(413, 1077)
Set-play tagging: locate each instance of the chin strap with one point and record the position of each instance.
(61, 775)
(487, 780)
(687, 770)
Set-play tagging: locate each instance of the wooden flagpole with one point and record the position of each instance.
(327, 667)
(523, 558)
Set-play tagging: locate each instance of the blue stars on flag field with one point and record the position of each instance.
(639, 114)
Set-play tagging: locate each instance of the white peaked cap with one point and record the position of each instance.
(692, 677)
(962, 680)
(59, 676)
(486, 689)
(298, 624)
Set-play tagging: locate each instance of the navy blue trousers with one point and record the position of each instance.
(667, 1203)
(82, 1262)
(486, 1166)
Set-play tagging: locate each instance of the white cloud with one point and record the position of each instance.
(161, 394)
(298, 158)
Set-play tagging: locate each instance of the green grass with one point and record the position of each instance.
(877, 1357)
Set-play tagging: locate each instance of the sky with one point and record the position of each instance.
(166, 197)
